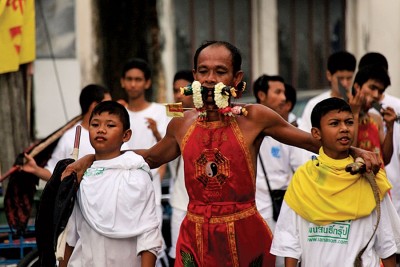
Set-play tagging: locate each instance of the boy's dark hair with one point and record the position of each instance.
(137, 63)
(341, 60)
(323, 107)
(290, 94)
(262, 84)
(186, 75)
(91, 93)
(371, 72)
(235, 52)
(373, 58)
(113, 107)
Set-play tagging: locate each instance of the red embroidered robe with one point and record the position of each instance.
(223, 226)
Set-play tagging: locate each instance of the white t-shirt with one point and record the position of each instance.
(142, 136)
(391, 101)
(280, 162)
(114, 218)
(305, 122)
(65, 146)
(393, 168)
(338, 243)
(179, 197)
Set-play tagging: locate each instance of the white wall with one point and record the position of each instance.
(168, 54)
(54, 106)
(85, 46)
(374, 26)
(264, 38)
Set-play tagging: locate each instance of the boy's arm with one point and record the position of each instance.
(290, 262)
(67, 255)
(148, 259)
(152, 125)
(389, 117)
(390, 261)
(30, 166)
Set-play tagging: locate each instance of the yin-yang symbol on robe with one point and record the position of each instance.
(211, 169)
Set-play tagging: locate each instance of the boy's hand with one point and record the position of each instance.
(356, 101)
(389, 116)
(152, 125)
(30, 164)
(79, 167)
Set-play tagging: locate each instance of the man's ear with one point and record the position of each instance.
(148, 84)
(238, 77)
(261, 95)
(91, 107)
(328, 76)
(127, 135)
(316, 133)
(357, 87)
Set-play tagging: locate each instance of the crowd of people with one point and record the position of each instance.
(251, 185)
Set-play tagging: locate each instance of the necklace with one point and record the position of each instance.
(222, 94)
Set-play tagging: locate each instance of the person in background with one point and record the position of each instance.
(90, 96)
(329, 215)
(114, 221)
(369, 129)
(179, 197)
(291, 99)
(392, 169)
(340, 69)
(276, 162)
(377, 59)
(148, 122)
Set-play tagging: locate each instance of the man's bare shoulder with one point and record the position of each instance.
(179, 124)
(257, 112)
(259, 118)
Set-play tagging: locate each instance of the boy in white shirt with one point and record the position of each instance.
(114, 221)
(329, 215)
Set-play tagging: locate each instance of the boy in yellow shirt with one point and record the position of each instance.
(329, 215)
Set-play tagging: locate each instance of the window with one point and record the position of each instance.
(309, 31)
(203, 20)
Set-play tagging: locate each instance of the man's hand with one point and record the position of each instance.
(79, 167)
(373, 161)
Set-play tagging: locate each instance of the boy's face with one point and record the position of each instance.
(371, 91)
(214, 65)
(345, 77)
(135, 83)
(187, 101)
(275, 97)
(336, 133)
(107, 135)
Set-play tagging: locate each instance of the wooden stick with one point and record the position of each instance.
(62, 238)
